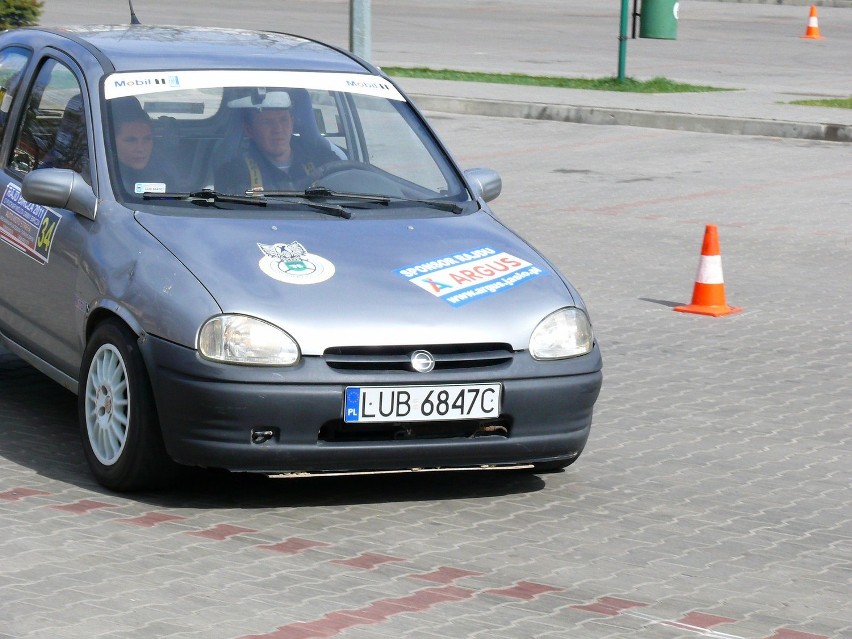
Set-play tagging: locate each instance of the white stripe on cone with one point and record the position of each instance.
(710, 270)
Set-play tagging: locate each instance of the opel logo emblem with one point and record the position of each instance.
(422, 361)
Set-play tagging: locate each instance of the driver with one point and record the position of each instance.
(275, 159)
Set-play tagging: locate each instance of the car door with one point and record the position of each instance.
(41, 249)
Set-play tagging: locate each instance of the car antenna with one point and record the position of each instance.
(133, 18)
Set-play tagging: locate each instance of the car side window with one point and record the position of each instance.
(53, 133)
(12, 63)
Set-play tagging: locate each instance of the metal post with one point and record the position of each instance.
(622, 39)
(359, 28)
(635, 16)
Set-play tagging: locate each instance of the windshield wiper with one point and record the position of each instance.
(306, 198)
(323, 192)
(209, 197)
(443, 205)
(205, 197)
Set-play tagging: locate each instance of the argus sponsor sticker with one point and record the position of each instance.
(28, 227)
(468, 276)
(291, 263)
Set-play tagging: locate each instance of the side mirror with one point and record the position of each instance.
(60, 188)
(485, 183)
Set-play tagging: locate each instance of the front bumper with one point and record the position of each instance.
(209, 411)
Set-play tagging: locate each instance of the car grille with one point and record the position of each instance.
(398, 358)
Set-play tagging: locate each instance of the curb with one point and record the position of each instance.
(633, 117)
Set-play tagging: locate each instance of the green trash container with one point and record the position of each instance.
(658, 19)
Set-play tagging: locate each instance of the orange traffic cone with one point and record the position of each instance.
(812, 32)
(708, 297)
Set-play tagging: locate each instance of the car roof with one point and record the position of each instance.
(154, 48)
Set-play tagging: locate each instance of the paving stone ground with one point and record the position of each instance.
(713, 499)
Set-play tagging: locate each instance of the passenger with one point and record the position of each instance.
(141, 169)
(275, 159)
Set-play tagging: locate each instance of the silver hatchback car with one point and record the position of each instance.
(249, 251)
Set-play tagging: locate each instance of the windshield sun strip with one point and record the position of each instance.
(123, 84)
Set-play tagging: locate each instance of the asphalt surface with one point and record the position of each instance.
(713, 499)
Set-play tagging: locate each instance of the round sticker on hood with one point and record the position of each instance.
(291, 263)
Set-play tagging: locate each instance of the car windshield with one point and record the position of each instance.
(278, 136)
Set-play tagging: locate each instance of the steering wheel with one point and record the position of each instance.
(358, 177)
(339, 166)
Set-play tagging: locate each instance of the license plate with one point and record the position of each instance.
(421, 403)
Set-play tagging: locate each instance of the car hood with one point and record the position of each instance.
(367, 282)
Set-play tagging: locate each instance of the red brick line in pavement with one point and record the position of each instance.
(338, 621)
(446, 575)
(220, 532)
(83, 506)
(149, 520)
(526, 590)
(610, 606)
(785, 633)
(335, 622)
(293, 546)
(367, 560)
(700, 620)
(20, 493)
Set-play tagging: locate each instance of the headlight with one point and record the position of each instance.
(238, 339)
(565, 333)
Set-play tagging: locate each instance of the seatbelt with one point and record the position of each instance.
(255, 176)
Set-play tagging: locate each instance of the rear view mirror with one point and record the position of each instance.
(486, 183)
(62, 189)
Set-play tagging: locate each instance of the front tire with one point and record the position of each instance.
(118, 418)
